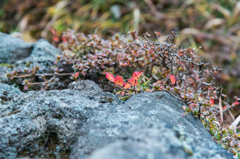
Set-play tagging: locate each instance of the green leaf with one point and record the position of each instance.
(146, 84)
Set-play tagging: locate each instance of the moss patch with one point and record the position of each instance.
(7, 65)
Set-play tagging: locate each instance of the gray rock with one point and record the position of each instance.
(43, 54)
(43, 124)
(159, 141)
(138, 111)
(3, 74)
(13, 49)
(84, 122)
(84, 85)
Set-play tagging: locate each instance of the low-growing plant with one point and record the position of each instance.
(187, 78)
(149, 66)
(213, 24)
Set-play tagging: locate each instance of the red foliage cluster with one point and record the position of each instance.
(186, 77)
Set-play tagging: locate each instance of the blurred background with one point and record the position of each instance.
(212, 24)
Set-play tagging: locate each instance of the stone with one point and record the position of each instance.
(160, 141)
(84, 85)
(43, 54)
(108, 126)
(43, 124)
(83, 122)
(3, 74)
(13, 49)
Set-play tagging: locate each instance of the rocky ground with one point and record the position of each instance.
(83, 122)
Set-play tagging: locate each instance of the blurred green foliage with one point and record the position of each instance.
(212, 24)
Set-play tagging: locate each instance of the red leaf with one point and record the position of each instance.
(64, 39)
(212, 101)
(76, 75)
(52, 31)
(118, 81)
(126, 86)
(137, 74)
(236, 103)
(55, 39)
(225, 107)
(110, 77)
(133, 81)
(172, 79)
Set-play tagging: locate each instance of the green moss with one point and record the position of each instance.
(7, 65)
(190, 152)
(28, 63)
(124, 98)
(106, 99)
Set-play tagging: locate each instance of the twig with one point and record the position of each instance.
(153, 9)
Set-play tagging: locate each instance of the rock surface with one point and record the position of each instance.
(21, 55)
(13, 49)
(42, 54)
(107, 127)
(43, 124)
(16, 51)
(160, 141)
(83, 123)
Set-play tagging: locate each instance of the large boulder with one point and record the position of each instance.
(13, 49)
(160, 141)
(18, 55)
(44, 124)
(107, 128)
(85, 123)
(43, 54)
(16, 51)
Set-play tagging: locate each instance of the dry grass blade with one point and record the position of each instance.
(58, 10)
(226, 13)
(22, 25)
(136, 14)
(231, 115)
(214, 23)
(185, 33)
(235, 123)
(236, 11)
